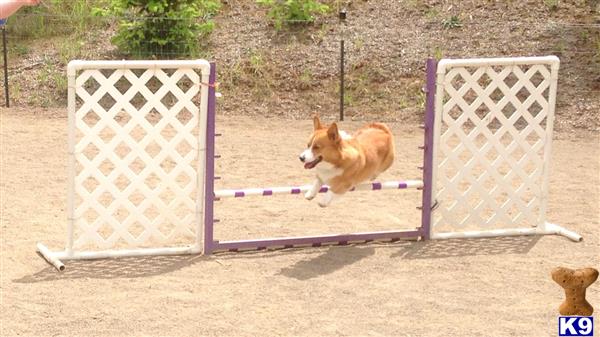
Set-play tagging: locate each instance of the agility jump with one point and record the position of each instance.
(487, 143)
(374, 186)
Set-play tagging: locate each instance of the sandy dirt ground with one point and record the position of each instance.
(484, 287)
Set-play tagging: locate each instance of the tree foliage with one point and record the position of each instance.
(164, 28)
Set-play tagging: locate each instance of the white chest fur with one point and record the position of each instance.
(326, 171)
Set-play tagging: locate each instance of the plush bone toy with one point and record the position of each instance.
(575, 282)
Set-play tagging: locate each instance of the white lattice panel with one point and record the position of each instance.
(137, 135)
(492, 143)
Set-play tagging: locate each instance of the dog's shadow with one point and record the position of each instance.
(334, 258)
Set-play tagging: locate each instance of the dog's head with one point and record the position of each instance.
(323, 145)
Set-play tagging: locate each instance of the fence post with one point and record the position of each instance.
(342, 17)
(5, 53)
(209, 178)
(426, 203)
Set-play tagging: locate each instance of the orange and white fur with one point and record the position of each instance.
(342, 161)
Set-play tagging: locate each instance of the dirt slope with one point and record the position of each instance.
(295, 72)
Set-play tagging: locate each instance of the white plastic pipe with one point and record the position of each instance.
(501, 61)
(107, 254)
(556, 229)
(50, 257)
(55, 257)
(548, 229)
(138, 64)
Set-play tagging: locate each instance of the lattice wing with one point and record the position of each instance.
(493, 138)
(136, 152)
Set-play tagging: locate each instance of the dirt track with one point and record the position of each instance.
(499, 287)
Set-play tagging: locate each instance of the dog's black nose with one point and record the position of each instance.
(302, 158)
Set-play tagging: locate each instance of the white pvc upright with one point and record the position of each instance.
(137, 138)
(492, 142)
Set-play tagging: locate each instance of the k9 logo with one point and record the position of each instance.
(575, 326)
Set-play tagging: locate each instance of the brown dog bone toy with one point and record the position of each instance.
(575, 282)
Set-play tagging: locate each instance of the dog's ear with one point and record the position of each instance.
(333, 133)
(317, 122)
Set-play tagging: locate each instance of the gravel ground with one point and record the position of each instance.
(483, 287)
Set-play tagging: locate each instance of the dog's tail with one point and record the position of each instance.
(381, 126)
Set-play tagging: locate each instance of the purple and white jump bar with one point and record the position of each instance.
(374, 186)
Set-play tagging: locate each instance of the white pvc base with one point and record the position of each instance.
(55, 258)
(546, 229)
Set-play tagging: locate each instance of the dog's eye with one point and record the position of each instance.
(315, 147)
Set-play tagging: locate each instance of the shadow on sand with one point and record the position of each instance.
(336, 257)
(332, 259)
(127, 267)
(329, 260)
(435, 249)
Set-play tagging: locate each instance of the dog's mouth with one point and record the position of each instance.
(313, 163)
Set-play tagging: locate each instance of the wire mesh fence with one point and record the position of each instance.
(295, 71)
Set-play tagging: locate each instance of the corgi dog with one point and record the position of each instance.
(343, 161)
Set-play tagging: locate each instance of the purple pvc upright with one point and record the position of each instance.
(209, 178)
(211, 245)
(428, 144)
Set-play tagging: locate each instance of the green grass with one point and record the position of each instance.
(420, 98)
(438, 53)
(64, 25)
(322, 33)
(551, 4)
(306, 79)
(18, 49)
(359, 43)
(452, 22)
(431, 13)
(15, 91)
(293, 12)
(365, 85)
(70, 50)
(254, 72)
(349, 99)
(257, 63)
(55, 18)
(560, 46)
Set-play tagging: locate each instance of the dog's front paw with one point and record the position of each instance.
(326, 199)
(310, 195)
